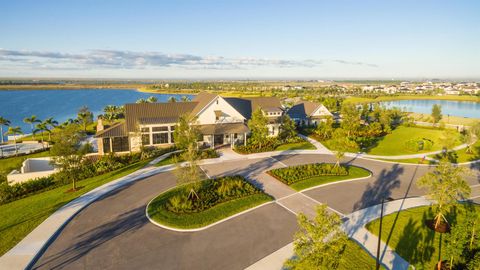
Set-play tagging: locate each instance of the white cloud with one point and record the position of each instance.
(115, 59)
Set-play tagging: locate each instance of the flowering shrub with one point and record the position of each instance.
(294, 174)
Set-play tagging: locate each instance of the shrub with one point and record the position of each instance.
(10, 193)
(419, 144)
(210, 193)
(294, 174)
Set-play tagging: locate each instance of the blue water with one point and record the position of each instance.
(15, 105)
(454, 108)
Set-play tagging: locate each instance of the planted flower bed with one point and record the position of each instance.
(215, 199)
(308, 175)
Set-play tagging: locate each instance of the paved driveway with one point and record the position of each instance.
(113, 233)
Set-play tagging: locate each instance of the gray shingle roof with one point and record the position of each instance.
(117, 130)
(303, 109)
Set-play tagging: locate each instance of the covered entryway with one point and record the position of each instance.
(218, 139)
(224, 134)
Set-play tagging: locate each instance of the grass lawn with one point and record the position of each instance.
(20, 217)
(305, 145)
(355, 257)
(408, 160)
(12, 163)
(461, 155)
(394, 143)
(167, 161)
(353, 172)
(453, 120)
(413, 240)
(158, 211)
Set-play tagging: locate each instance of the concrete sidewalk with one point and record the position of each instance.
(354, 226)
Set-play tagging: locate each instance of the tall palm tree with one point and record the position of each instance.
(172, 99)
(14, 131)
(40, 127)
(3, 122)
(152, 99)
(49, 122)
(185, 98)
(31, 120)
(85, 117)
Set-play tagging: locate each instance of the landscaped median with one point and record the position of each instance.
(301, 177)
(211, 201)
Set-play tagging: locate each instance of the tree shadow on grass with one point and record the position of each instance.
(83, 243)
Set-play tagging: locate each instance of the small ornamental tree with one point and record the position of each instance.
(456, 241)
(287, 129)
(186, 135)
(320, 243)
(68, 152)
(445, 185)
(258, 127)
(436, 113)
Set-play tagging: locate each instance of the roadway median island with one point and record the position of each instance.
(197, 205)
(301, 177)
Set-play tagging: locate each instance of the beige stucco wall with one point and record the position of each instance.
(32, 168)
(230, 115)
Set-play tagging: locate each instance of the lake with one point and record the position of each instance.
(455, 108)
(15, 105)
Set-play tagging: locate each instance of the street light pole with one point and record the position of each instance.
(379, 237)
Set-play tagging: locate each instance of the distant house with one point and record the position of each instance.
(308, 113)
(221, 121)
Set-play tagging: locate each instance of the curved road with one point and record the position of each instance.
(113, 232)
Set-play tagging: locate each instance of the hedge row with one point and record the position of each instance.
(297, 173)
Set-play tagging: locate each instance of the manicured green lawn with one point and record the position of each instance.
(461, 155)
(158, 211)
(353, 172)
(169, 160)
(305, 145)
(408, 160)
(355, 257)
(394, 143)
(12, 163)
(20, 217)
(411, 238)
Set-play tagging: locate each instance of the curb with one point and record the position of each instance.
(200, 228)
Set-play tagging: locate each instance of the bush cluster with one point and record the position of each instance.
(419, 144)
(210, 193)
(294, 174)
(269, 144)
(90, 168)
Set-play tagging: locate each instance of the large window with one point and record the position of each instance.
(146, 139)
(120, 144)
(106, 145)
(159, 138)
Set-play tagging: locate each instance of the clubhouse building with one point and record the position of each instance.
(221, 121)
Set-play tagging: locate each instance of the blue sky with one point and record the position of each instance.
(240, 39)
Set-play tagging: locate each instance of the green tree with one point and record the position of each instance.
(325, 129)
(68, 152)
(456, 241)
(287, 129)
(320, 243)
(85, 117)
(50, 124)
(32, 120)
(258, 127)
(152, 99)
(185, 99)
(350, 119)
(172, 99)
(445, 185)
(3, 122)
(14, 131)
(41, 127)
(186, 136)
(448, 139)
(186, 133)
(436, 113)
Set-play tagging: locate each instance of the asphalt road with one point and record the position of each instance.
(113, 232)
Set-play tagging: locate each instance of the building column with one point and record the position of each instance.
(232, 140)
(213, 141)
(111, 145)
(245, 139)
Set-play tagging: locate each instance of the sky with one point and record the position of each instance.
(255, 39)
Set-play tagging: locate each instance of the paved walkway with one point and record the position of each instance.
(354, 226)
(317, 144)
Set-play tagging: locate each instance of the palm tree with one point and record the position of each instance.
(31, 120)
(40, 127)
(49, 122)
(172, 99)
(185, 98)
(14, 131)
(152, 99)
(85, 117)
(3, 122)
(141, 100)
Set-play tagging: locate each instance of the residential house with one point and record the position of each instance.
(221, 121)
(308, 113)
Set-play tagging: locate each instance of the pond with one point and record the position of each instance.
(455, 108)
